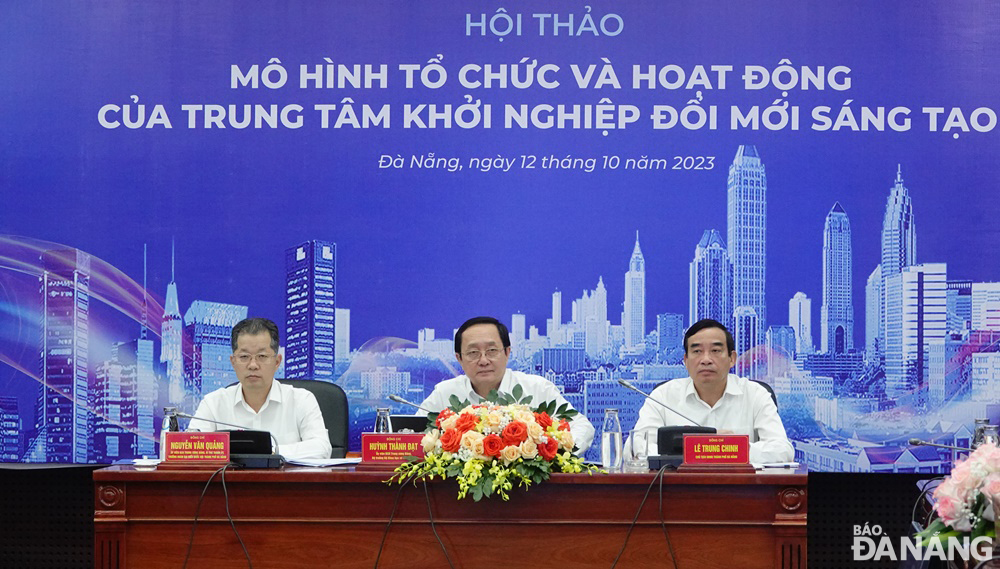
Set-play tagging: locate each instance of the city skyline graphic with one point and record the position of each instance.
(918, 358)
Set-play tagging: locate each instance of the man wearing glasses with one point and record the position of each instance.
(259, 402)
(482, 347)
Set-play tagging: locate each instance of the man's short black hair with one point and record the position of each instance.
(254, 326)
(709, 323)
(504, 334)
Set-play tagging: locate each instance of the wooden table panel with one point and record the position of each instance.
(311, 517)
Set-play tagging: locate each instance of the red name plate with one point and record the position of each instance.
(716, 449)
(390, 448)
(197, 447)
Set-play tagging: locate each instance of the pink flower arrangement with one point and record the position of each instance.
(964, 501)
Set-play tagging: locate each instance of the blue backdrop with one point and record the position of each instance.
(534, 149)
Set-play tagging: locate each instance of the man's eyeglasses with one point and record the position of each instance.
(261, 359)
(475, 355)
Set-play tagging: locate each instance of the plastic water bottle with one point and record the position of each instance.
(611, 441)
(382, 423)
(169, 424)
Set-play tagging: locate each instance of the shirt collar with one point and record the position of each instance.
(733, 388)
(273, 395)
(505, 386)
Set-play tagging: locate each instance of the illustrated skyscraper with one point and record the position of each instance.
(669, 333)
(984, 306)
(141, 352)
(916, 303)
(114, 399)
(899, 241)
(210, 327)
(634, 316)
(10, 430)
(800, 319)
(517, 337)
(123, 396)
(837, 312)
(342, 336)
(64, 425)
(310, 310)
(556, 321)
(874, 345)
(746, 228)
(960, 305)
(745, 331)
(172, 340)
(711, 281)
(590, 314)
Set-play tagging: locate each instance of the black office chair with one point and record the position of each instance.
(333, 405)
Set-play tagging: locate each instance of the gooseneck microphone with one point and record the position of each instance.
(241, 427)
(920, 443)
(625, 383)
(399, 399)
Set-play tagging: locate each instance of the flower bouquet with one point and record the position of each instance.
(490, 446)
(965, 501)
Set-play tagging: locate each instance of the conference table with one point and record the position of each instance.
(338, 517)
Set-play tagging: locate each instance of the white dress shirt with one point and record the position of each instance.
(745, 408)
(291, 414)
(540, 389)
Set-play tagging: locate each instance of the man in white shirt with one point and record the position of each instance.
(259, 402)
(482, 348)
(713, 397)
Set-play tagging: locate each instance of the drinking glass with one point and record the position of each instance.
(637, 457)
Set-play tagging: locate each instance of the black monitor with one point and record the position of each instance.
(249, 442)
(670, 440)
(415, 423)
(252, 449)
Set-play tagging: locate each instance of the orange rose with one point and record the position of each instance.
(444, 415)
(514, 433)
(466, 422)
(450, 440)
(548, 450)
(492, 445)
(563, 425)
(543, 419)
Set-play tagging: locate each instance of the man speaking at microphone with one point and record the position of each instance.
(482, 348)
(259, 402)
(716, 398)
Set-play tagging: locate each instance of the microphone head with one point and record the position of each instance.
(625, 383)
(396, 398)
(916, 442)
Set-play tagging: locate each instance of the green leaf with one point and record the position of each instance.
(432, 419)
(562, 409)
(570, 413)
(455, 402)
(526, 400)
(517, 392)
(492, 396)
